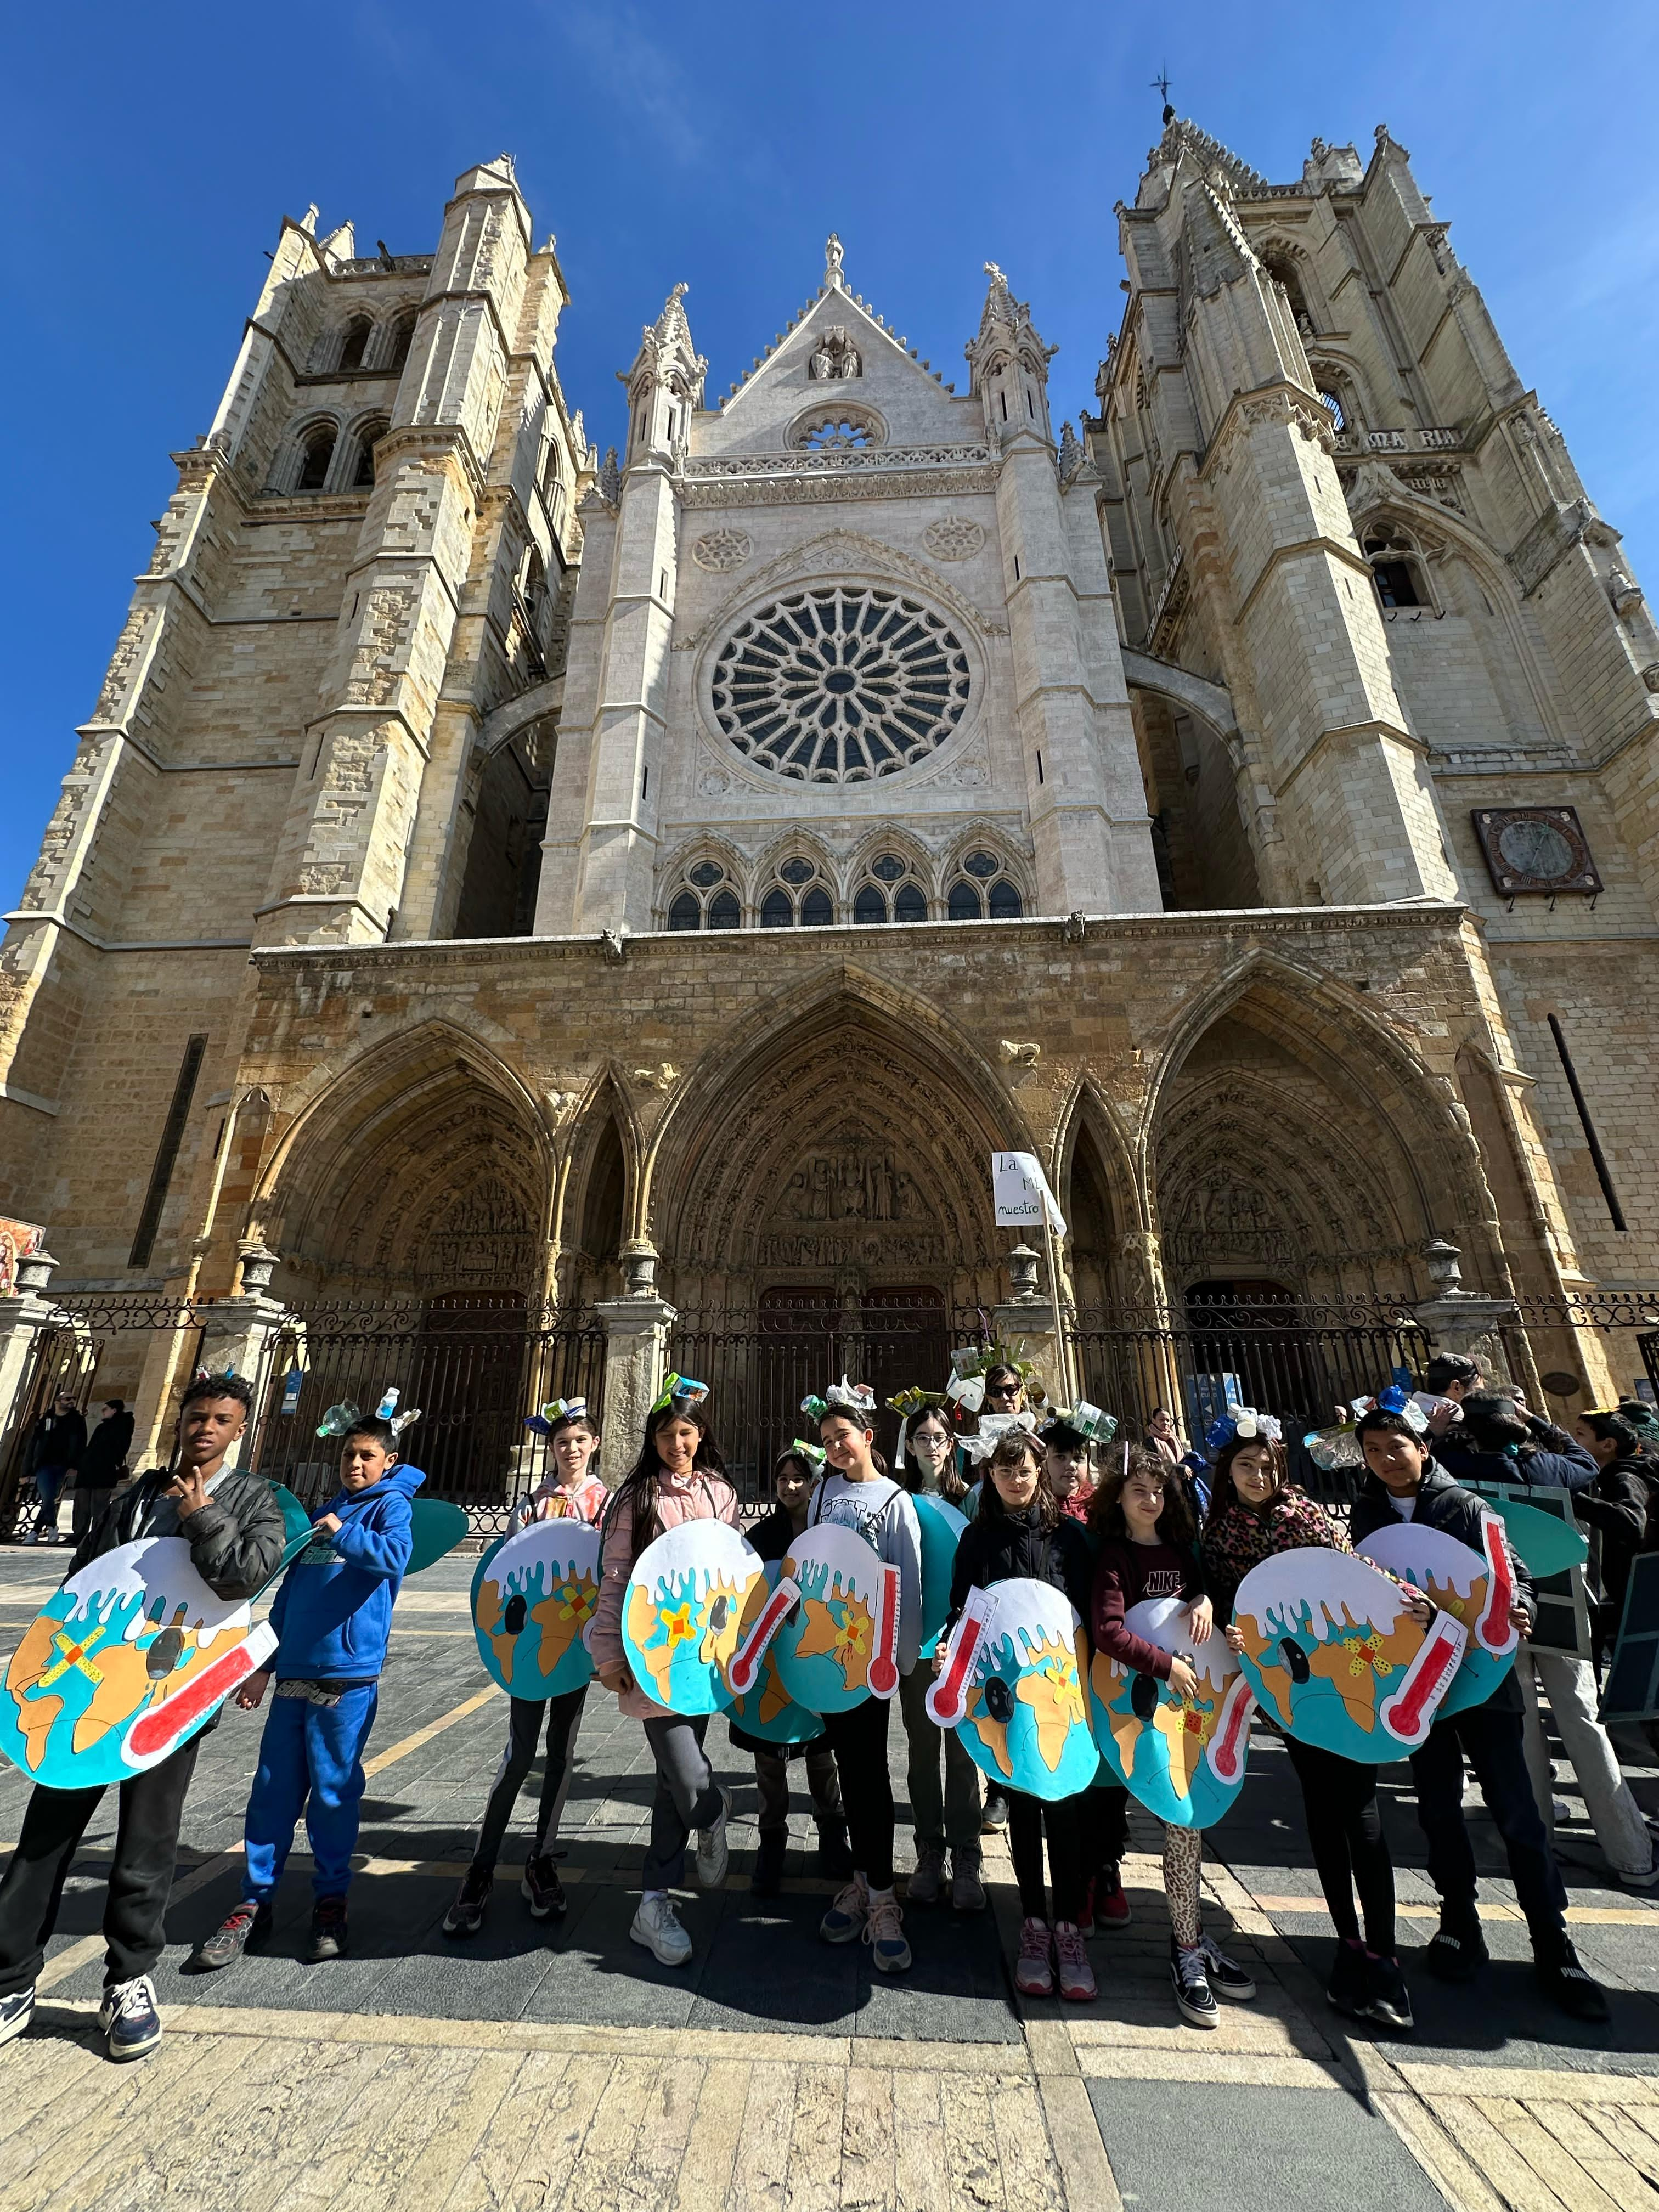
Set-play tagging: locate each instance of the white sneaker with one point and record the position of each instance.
(713, 1854)
(656, 1924)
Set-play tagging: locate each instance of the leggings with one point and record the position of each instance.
(686, 1797)
(1183, 1854)
(1028, 1817)
(1344, 1833)
(859, 1740)
(524, 1728)
(1104, 1812)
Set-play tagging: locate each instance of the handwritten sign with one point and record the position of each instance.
(1021, 1192)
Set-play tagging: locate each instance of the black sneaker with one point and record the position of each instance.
(1562, 1979)
(128, 2018)
(835, 1859)
(243, 1928)
(1387, 2001)
(995, 1815)
(467, 1914)
(1457, 1950)
(328, 1931)
(541, 1889)
(1193, 1993)
(1350, 1983)
(16, 2012)
(767, 1880)
(1224, 1975)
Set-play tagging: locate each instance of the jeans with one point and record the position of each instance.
(859, 1740)
(1028, 1819)
(1570, 1686)
(1491, 1739)
(772, 1782)
(139, 1874)
(311, 1760)
(524, 1730)
(686, 1797)
(48, 1481)
(941, 1817)
(1344, 1833)
(87, 1504)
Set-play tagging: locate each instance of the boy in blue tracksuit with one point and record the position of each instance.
(332, 1615)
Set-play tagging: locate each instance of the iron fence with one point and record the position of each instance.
(474, 1367)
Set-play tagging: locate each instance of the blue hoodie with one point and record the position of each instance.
(333, 1611)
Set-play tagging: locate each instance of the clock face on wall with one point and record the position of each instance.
(1536, 848)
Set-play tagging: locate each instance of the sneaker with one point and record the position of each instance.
(995, 1815)
(1644, 1885)
(245, 1925)
(1562, 1979)
(1192, 1994)
(1457, 1950)
(1387, 1999)
(1224, 1975)
(844, 1920)
(884, 1931)
(967, 1890)
(835, 1858)
(1350, 1983)
(466, 1916)
(541, 1888)
(927, 1878)
(16, 2012)
(657, 1926)
(1072, 1971)
(1111, 1905)
(714, 1853)
(1034, 1969)
(128, 2018)
(328, 1931)
(767, 1880)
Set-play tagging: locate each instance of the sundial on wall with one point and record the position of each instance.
(1536, 848)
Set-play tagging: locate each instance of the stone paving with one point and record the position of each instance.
(558, 2065)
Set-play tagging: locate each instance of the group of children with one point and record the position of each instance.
(1135, 1534)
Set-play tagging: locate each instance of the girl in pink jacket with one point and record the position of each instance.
(679, 1476)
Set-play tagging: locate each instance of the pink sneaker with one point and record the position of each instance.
(1076, 1975)
(1034, 1969)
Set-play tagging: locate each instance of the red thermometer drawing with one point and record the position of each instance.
(745, 1661)
(1409, 1714)
(1495, 1632)
(883, 1674)
(1227, 1747)
(947, 1701)
(155, 1732)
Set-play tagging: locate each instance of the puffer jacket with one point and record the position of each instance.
(236, 1541)
(1000, 1547)
(333, 1611)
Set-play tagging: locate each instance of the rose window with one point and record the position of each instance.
(841, 684)
(835, 433)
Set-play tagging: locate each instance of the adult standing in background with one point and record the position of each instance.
(58, 1439)
(102, 1463)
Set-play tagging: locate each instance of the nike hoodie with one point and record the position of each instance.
(333, 1611)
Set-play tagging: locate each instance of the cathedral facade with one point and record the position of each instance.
(653, 885)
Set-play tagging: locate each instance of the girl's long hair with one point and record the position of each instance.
(1223, 1494)
(641, 1486)
(1176, 1524)
(1017, 1444)
(858, 1421)
(951, 1487)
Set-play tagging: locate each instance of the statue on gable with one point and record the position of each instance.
(834, 357)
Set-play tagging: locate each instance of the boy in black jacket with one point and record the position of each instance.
(234, 1527)
(1403, 1483)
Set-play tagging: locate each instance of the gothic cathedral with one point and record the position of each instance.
(493, 869)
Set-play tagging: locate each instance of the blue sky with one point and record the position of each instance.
(147, 156)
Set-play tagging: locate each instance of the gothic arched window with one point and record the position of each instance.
(403, 337)
(706, 900)
(367, 438)
(894, 894)
(1396, 567)
(983, 886)
(354, 344)
(316, 452)
(799, 893)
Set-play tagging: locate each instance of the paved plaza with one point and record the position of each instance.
(560, 2065)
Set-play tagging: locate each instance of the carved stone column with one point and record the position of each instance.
(636, 1354)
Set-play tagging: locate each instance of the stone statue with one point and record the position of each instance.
(832, 260)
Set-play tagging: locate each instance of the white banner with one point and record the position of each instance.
(1021, 1192)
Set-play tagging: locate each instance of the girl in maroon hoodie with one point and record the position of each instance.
(1149, 1549)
